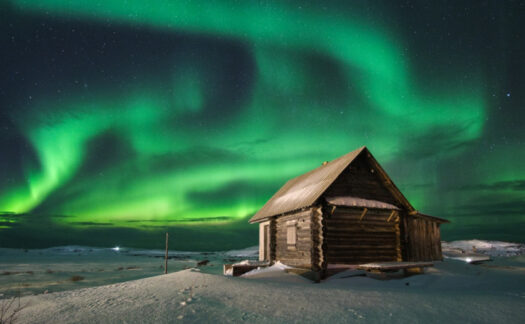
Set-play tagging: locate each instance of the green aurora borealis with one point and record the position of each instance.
(120, 121)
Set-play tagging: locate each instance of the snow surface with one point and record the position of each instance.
(452, 291)
(276, 267)
(28, 272)
(248, 252)
(491, 248)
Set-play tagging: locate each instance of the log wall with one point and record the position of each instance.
(301, 254)
(422, 239)
(351, 239)
(318, 241)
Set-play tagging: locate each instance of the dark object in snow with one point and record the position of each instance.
(345, 212)
(77, 278)
(387, 266)
(383, 269)
(202, 263)
(238, 269)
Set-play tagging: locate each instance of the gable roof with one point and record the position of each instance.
(304, 190)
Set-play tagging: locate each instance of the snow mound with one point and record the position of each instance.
(276, 267)
(491, 248)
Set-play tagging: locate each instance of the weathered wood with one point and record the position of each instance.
(357, 254)
(391, 215)
(361, 259)
(352, 238)
(398, 242)
(359, 181)
(318, 257)
(372, 247)
(363, 214)
(373, 237)
(350, 212)
(361, 229)
(366, 221)
(300, 253)
(423, 241)
(394, 265)
(273, 240)
(237, 270)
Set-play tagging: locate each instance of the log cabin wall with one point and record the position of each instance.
(273, 238)
(422, 239)
(318, 241)
(300, 253)
(353, 238)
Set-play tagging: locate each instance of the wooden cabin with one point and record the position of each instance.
(347, 211)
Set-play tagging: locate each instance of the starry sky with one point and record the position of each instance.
(120, 120)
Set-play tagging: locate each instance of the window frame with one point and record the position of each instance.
(291, 235)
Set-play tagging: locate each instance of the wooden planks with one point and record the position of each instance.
(365, 210)
(423, 239)
(361, 179)
(385, 266)
(399, 254)
(318, 242)
(352, 238)
(300, 253)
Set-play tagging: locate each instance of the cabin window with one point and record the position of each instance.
(291, 234)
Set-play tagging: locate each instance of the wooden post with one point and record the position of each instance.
(391, 215)
(166, 257)
(363, 214)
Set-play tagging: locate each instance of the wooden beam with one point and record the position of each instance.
(166, 256)
(363, 214)
(391, 215)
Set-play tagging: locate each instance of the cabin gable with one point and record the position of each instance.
(364, 179)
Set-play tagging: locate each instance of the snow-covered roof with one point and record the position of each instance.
(359, 202)
(304, 190)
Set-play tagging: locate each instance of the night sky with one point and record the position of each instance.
(120, 120)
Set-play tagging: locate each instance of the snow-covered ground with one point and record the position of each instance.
(452, 291)
(28, 272)
(490, 248)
